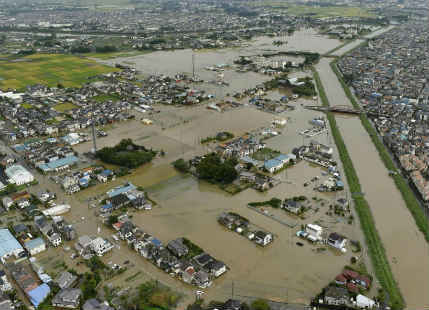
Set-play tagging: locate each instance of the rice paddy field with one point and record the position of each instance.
(49, 69)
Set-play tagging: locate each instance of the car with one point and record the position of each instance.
(126, 262)
(300, 244)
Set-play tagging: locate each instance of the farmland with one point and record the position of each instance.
(70, 71)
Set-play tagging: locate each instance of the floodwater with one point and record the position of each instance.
(186, 207)
(355, 43)
(180, 61)
(406, 249)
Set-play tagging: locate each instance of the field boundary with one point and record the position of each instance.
(407, 194)
(376, 249)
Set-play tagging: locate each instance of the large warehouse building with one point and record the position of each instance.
(18, 175)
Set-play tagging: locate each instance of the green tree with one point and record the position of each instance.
(260, 304)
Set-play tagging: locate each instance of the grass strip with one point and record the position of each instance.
(375, 246)
(407, 194)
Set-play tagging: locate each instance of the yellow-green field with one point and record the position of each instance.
(70, 71)
(63, 107)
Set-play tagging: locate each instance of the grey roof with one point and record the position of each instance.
(94, 304)
(68, 297)
(65, 279)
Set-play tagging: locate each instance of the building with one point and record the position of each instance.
(273, 165)
(7, 202)
(337, 296)
(59, 164)
(6, 303)
(4, 282)
(94, 304)
(18, 175)
(337, 241)
(65, 280)
(35, 246)
(101, 246)
(8, 245)
(292, 206)
(38, 295)
(67, 298)
(364, 302)
(263, 238)
(314, 232)
(177, 247)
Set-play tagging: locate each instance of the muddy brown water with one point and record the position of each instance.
(406, 249)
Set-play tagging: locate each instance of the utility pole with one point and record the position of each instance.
(93, 129)
(193, 66)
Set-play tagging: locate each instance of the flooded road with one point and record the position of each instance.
(406, 248)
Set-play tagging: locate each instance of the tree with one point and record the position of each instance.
(181, 165)
(260, 304)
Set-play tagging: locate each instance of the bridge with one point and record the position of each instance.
(336, 108)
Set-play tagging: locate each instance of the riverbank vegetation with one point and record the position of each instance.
(406, 192)
(375, 246)
(126, 154)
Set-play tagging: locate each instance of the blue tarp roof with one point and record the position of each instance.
(38, 295)
(8, 243)
(69, 160)
(120, 190)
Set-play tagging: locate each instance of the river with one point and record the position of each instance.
(406, 248)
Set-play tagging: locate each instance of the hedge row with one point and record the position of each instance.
(375, 247)
(406, 192)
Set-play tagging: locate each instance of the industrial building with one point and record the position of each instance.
(8, 245)
(18, 175)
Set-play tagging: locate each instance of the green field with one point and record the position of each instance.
(63, 107)
(70, 71)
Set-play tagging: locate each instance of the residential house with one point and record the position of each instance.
(336, 296)
(35, 246)
(94, 304)
(4, 282)
(177, 247)
(101, 246)
(292, 206)
(67, 298)
(337, 241)
(314, 232)
(263, 238)
(216, 268)
(66, 280)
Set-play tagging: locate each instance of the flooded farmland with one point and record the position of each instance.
(406, 249)
(187, 207)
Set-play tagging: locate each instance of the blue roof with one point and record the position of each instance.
(39, 294)
(106, 172)
(156, 242)
(272, 163)
(8, 243)
(69, 160)
(120, 190)
(31, 244)
(282, 157)
(106, 206)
